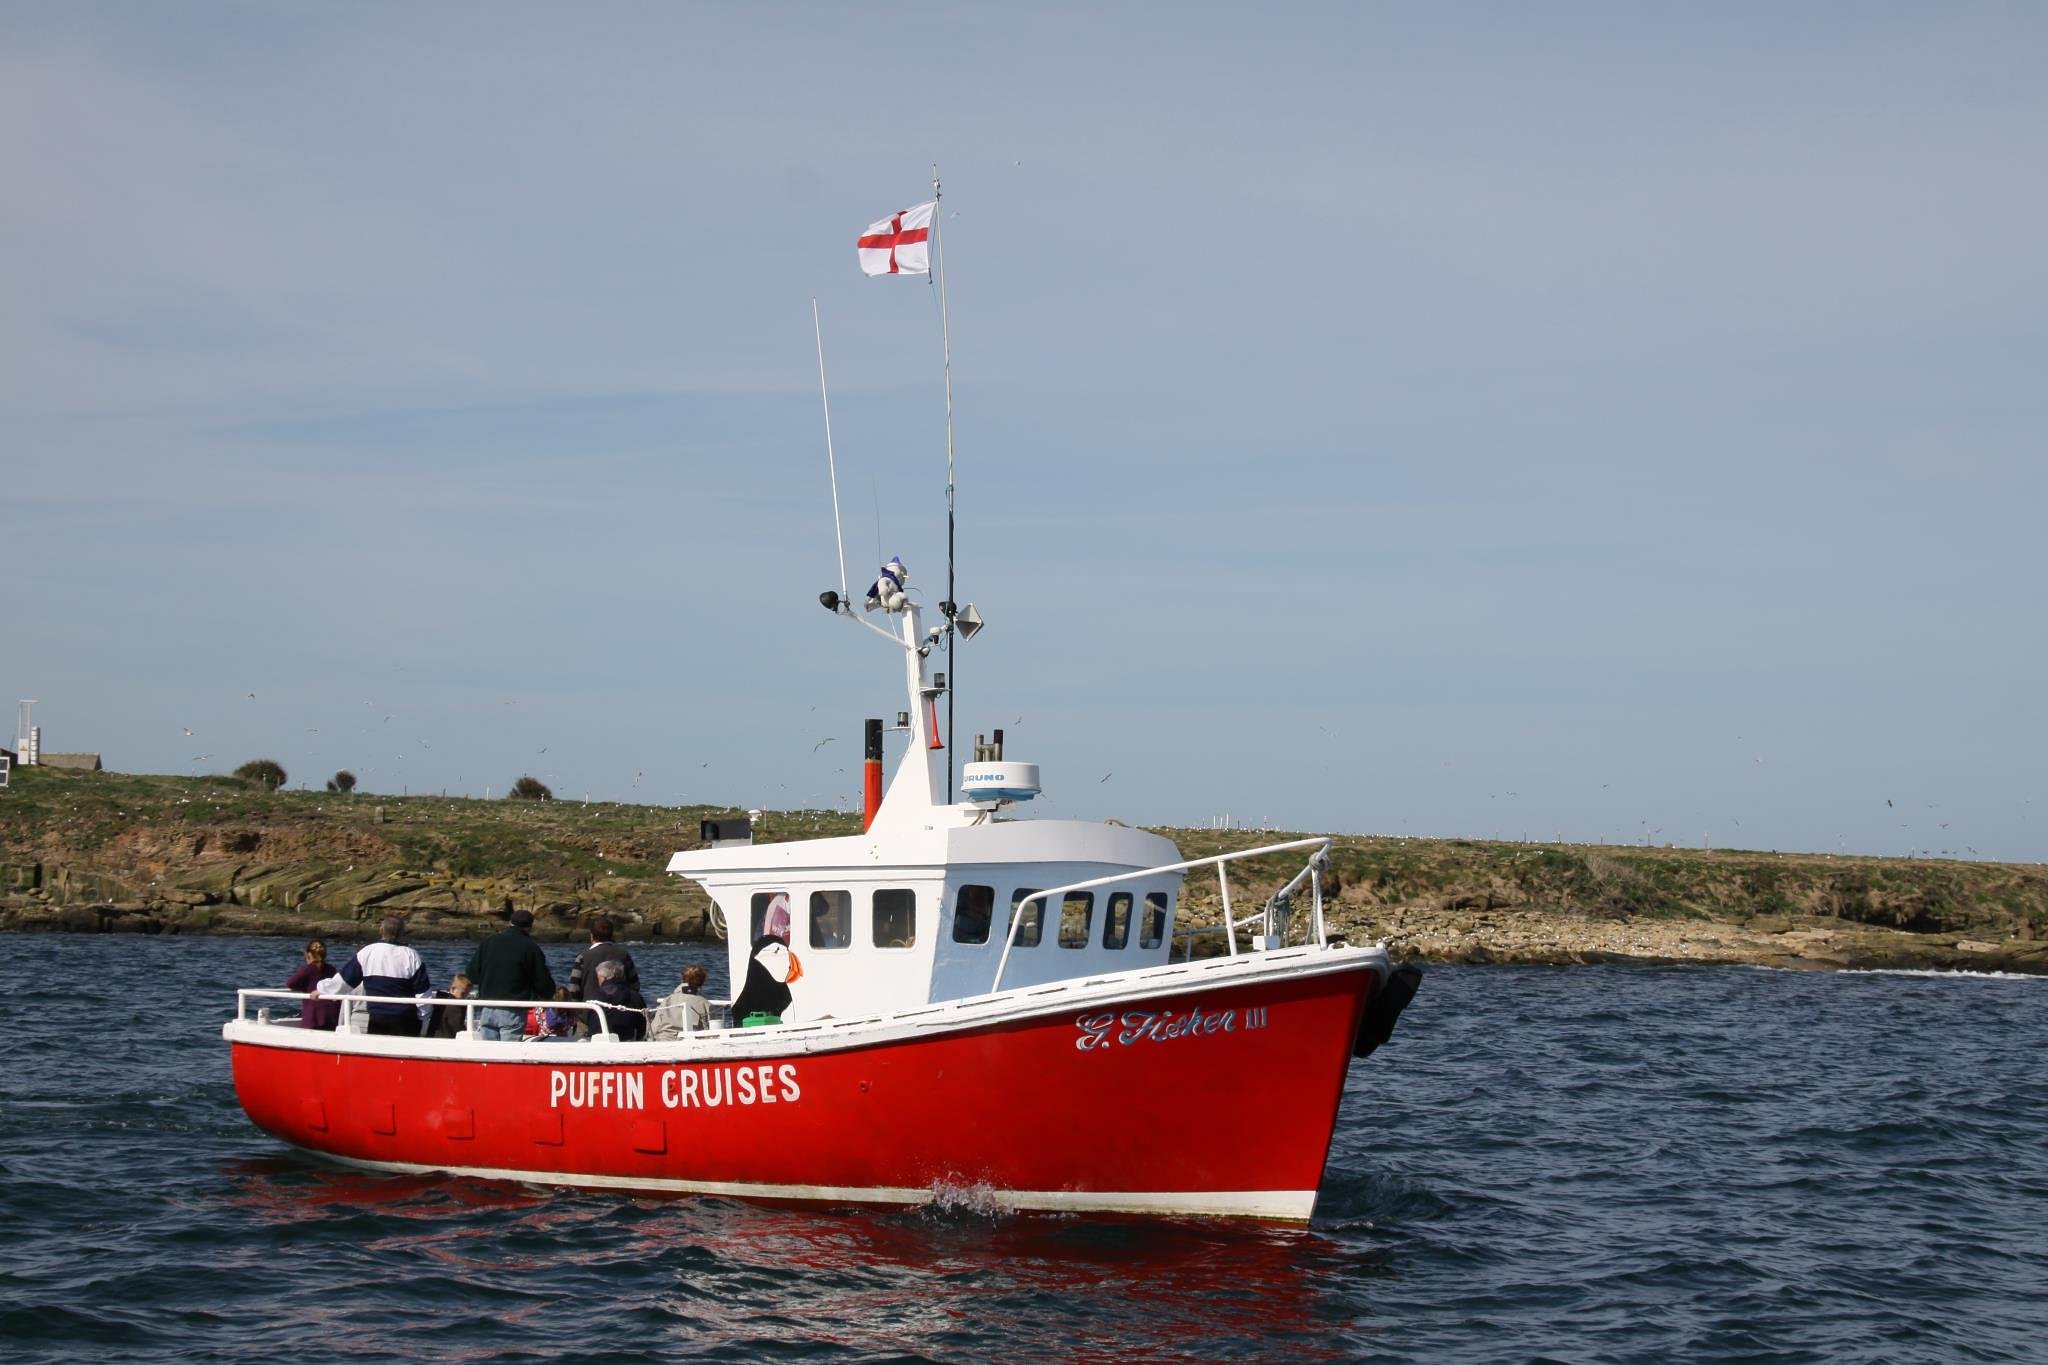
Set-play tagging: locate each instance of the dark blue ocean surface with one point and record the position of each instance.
(1588, 1164)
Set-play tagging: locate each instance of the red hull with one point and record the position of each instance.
(1217, 1101)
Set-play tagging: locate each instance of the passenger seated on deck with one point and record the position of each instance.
(551, 1025)
(625, 1009)
(448, 1020)
(686, 1011)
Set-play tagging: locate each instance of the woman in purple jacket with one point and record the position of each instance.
(316, 1012)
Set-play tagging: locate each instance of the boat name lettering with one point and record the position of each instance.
(709, 1087)
(1159, 1026)
(680, 1087)
(606, 1089)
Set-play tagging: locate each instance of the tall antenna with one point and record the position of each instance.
(830, 464)
(946, 341)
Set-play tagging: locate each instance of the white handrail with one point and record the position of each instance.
(471, 1005)
(1322, 847)
(1229, 928)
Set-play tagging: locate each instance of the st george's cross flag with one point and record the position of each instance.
(900, 244)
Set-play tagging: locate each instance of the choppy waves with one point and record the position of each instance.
(1592, 1163)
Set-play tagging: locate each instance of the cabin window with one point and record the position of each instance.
(831, 919)
(1154, 932)
(769, 907)
(1075, 912)
(973, 908)
(895, 918)
(1032, 925)
(1116, 920)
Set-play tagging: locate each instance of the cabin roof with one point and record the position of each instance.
(1001, 841)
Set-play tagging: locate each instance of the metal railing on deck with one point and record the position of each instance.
(601, 1028)
(1276, 913)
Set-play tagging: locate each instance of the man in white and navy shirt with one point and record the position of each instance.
(388, 967)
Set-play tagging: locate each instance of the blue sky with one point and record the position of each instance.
(1601, 422)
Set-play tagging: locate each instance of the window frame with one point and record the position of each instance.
(1086, 900)
(875, 917)
(988, 914)
(1161, 903)
(1109, 907)
(1036, 922)
(757, 912)
(844, 907)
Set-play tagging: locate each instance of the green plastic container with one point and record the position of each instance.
(758, 1018)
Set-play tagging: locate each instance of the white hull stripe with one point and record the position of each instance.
(1292, 1206)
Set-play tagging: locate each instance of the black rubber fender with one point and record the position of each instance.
(1384, 1010)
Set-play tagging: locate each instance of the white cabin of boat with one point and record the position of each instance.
(918, 909)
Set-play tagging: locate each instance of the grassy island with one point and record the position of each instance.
(88, 852)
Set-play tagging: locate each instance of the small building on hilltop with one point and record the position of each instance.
(89, 763)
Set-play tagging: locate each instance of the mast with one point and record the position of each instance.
(913, 791)
(948, 606)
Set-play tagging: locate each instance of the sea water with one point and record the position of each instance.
(1595, 1163)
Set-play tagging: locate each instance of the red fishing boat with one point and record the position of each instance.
(977, 1005)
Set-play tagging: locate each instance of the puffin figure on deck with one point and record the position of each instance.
(770, 971)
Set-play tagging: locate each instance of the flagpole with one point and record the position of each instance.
(946, 343)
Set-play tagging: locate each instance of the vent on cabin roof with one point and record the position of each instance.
(734, 829)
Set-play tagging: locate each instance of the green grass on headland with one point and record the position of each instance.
(216, 854)
(212, 854)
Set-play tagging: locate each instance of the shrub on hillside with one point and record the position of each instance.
(266, 773)
(529, 788)
(343, 781)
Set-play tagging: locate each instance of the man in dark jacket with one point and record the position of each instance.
(509, 965)
(583, 975)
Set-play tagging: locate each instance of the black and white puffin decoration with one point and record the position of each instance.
(770, 971)
(887, 590)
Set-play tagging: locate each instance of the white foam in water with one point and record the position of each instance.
(980, 1200)
(1890, 971)
(1935, 971)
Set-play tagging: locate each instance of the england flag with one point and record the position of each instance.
(900, 244)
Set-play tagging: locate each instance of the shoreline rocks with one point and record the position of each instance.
(1496, 937)
(1537, 938)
